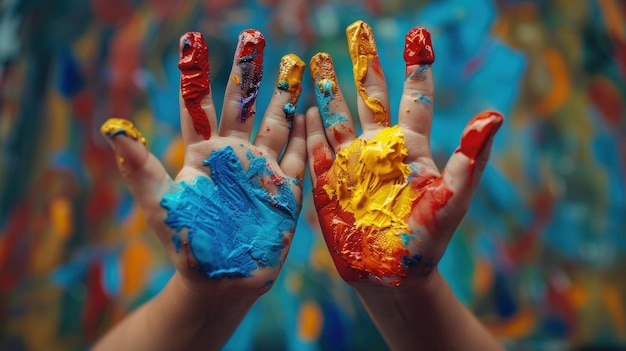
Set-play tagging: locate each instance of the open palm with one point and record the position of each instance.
(386, 212)
(230, 213)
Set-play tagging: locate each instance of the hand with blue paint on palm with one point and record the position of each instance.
(228, 217)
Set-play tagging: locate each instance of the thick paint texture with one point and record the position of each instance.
(418, 47)
(326, 88)
(364, 200)
(249, 58)
(116, 126)
(234, 225)
(477, 135)
(290, 80)
(195, 79)
(364, 56)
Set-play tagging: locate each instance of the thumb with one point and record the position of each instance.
(145, 175)
(464, 169)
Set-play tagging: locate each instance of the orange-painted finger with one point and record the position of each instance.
(373, 100)
(335, 116)
(319, 153)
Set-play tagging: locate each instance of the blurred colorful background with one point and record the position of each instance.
(540, 258)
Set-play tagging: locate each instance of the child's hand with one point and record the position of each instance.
(228, 217)
(386, 211)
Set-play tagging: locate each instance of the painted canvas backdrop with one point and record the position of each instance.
(540, 257)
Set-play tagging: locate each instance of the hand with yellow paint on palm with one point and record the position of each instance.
(228, 217)
(386, 212)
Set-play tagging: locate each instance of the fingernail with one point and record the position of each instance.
(480, 130)
(364, 54)
(249, 58)
(290, 80)
(418, 47)
(117, 126)
(195, 80)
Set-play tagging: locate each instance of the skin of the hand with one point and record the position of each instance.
(150, 183)
(439, 199)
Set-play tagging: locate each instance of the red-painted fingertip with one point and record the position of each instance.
(251, 45)
(195, 81)
(479, 131)
(418, 47)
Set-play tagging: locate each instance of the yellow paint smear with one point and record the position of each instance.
(290, 71)
(310, 321)
(115, 126)
(363, 52)
(370, 180)
(560, 89)
(614, 305)
(135, 262)
(323, 69)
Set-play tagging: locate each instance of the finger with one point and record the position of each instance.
(294, 158)
(197, 114)
(462, 172)
(373, 101)
(336, 121)
(145, 175)
(319, 153)
(416, 104)
(276, 124)
(243, 87)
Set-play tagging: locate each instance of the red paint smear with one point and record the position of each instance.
(606, 98)
(418, 47)
(322, 160)
(14, 251)
(333, 221)
(477, 135)
(338, 135)
(195, 79)
(111, 12)
(434, 195)
(96, 303)
(377, 68)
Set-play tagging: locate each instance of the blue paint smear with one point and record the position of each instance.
(111, 278)
(234, 224)
(324, 95)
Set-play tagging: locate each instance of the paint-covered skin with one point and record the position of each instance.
(364, 200)
(325, 88)
(115, 126)
(289, 80)
(195, 79)
(227, 219)
(119, 126)
(418, 47)
(234, 224)
(475, 138)
(386, 211)
(364, 56)
(249, 58)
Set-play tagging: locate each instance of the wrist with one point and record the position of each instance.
(420, 287)
(211, 296)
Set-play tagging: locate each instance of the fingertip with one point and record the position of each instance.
(127, 142)
(418, 47)
(470, 158)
